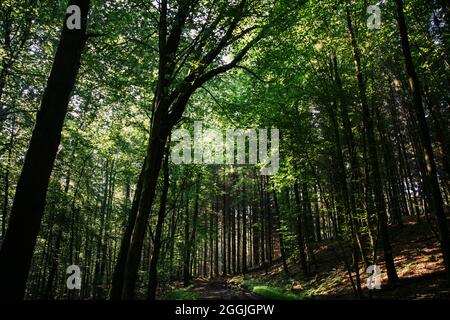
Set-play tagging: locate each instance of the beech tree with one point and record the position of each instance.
(29, 201)
(196, 60)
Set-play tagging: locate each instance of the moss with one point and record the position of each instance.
(274, 293)
(275, 290)
(181, 294)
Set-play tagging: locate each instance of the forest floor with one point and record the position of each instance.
(417, 258)
(220, 289)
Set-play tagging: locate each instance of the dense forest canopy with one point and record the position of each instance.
(96, 97)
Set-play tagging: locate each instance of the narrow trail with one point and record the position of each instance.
(220, 289)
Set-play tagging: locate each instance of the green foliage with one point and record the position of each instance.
(271, 290)
(285, 82)
(273, 293)
(181, 294)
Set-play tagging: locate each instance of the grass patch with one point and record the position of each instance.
(275, 290)
(292, 287)
(181, 294)
(273, 293)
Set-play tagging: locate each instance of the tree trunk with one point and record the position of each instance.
(153, 272)
(119, 269)
(244, 233)
(29, 202)
(435, 200)
(373, 157)
(6, 180)
(224, 236)
(300, 228)
(280, 234)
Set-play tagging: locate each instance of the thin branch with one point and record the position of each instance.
(219, 104)
(252, 73)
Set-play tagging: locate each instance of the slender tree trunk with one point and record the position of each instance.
(238, 240)
(153, 272)
(244, 232)
(186, 253)
(224, 237)
(6, 180)
(435, 200)
(233, 239)
(217, 234)
(156, 147)
(48, 293)
(211, 241)
(262, 222)
(29, 202)
(280, 234)
(100, 237)
(317, 216)
(119, 269)
(300, 228)
(373, 158)
(391, 171)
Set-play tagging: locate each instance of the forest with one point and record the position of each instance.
(224, 149)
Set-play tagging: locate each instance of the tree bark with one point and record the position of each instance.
(244, 232)
(300, 233)
(153, 272)
(280, 234)
(29, 202)
(119, 269)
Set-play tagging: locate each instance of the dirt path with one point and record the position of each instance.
(220, 289)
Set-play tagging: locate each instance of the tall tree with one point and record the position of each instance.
(29, 201)
(375, 177)
(171, 96)
(430, 173)
(152, 284)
